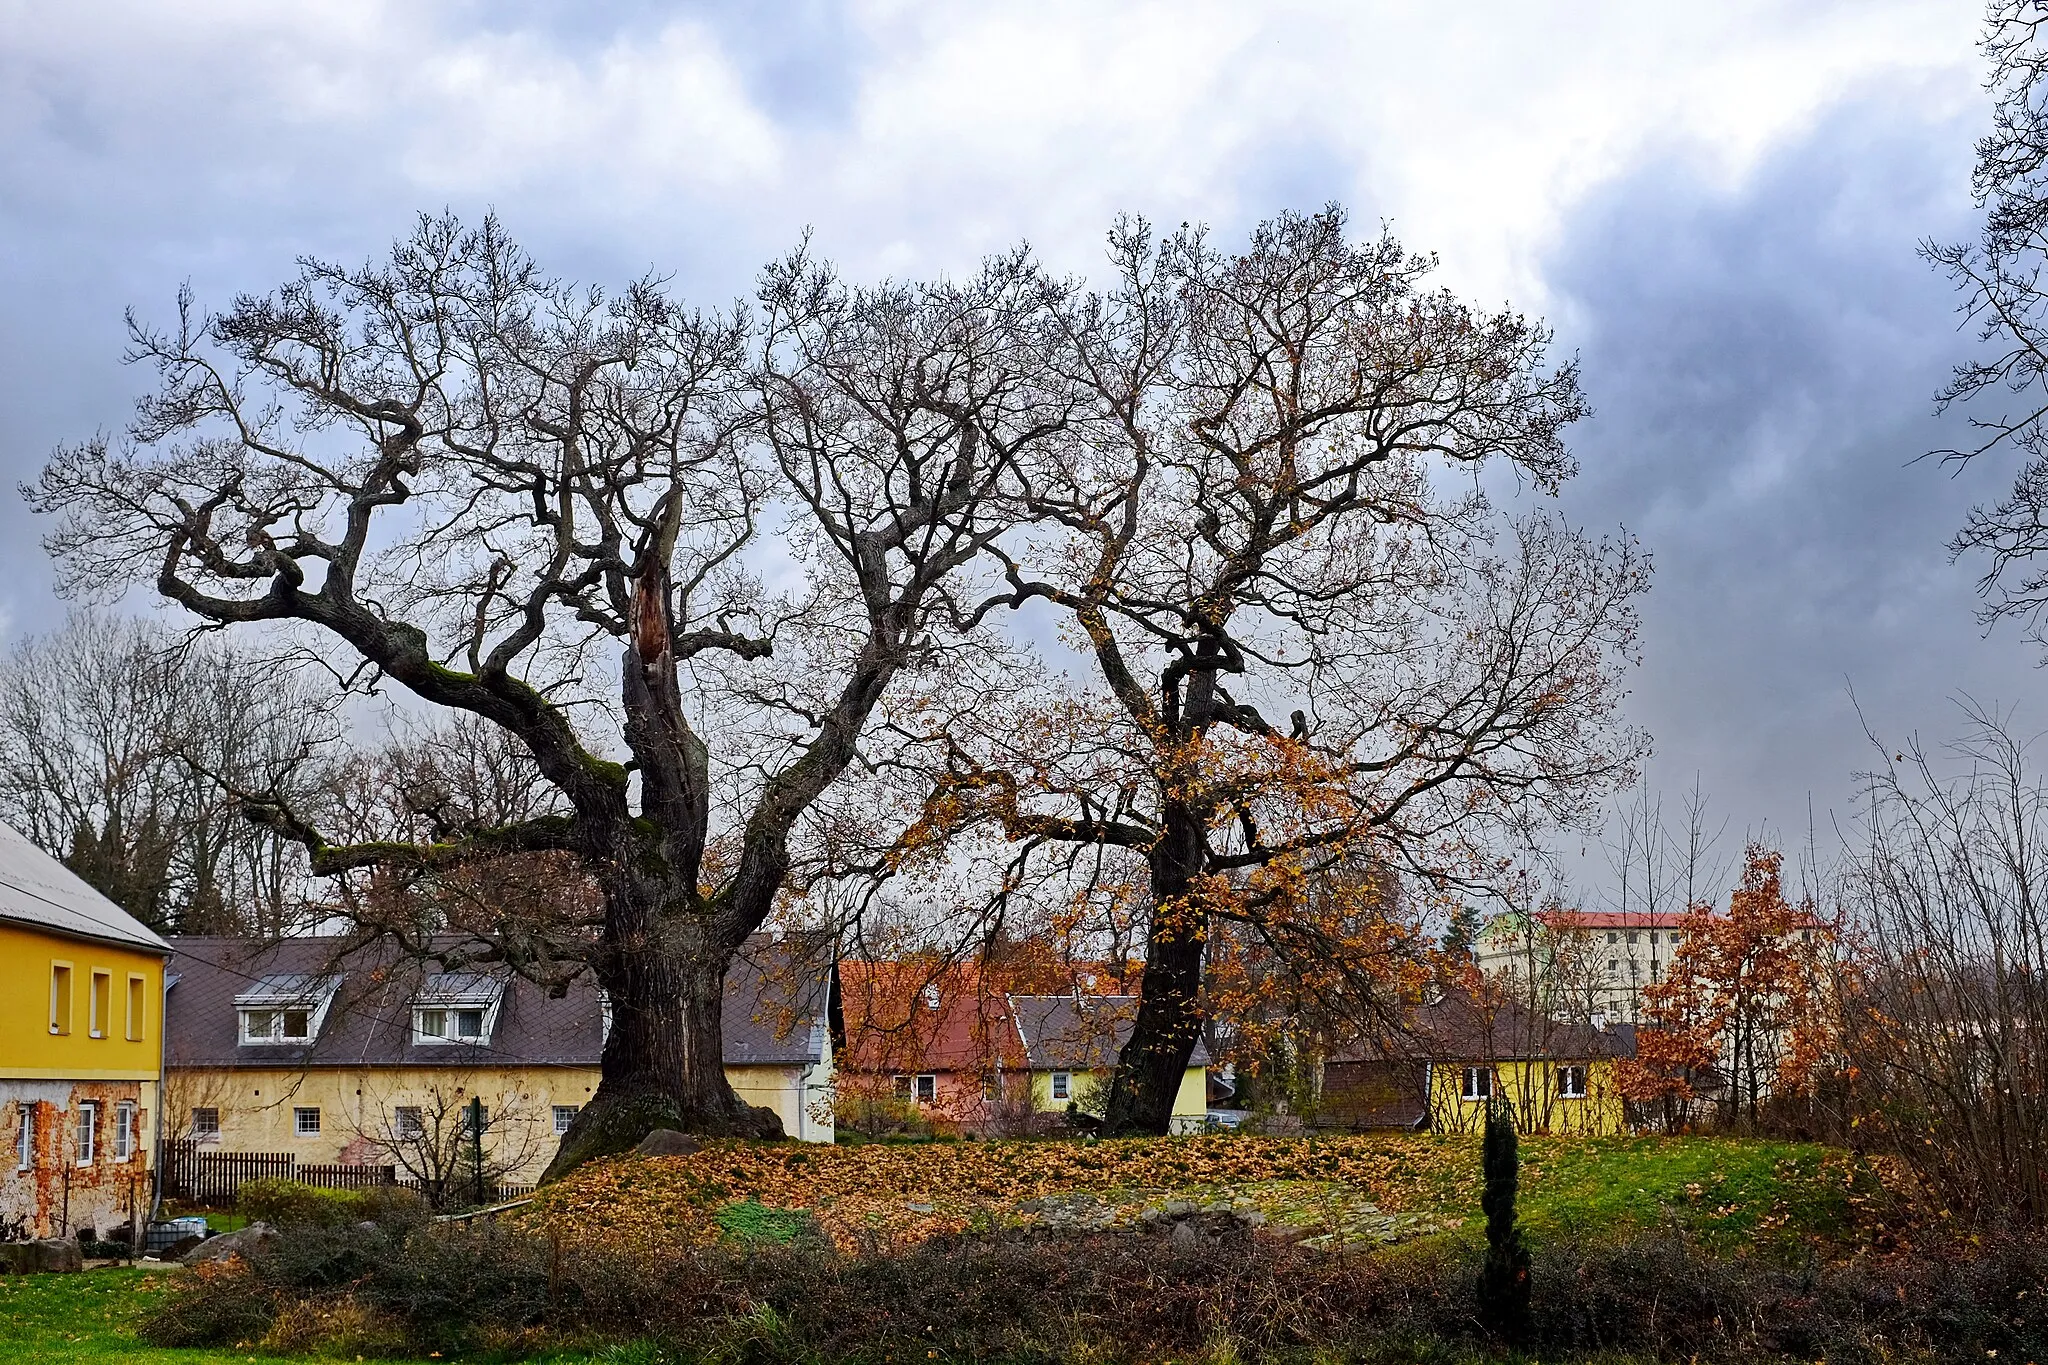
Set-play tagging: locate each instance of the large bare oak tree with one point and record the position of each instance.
(555, 510)
(1311, 651)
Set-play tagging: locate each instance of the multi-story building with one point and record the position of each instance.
(1575, 964)
(81, 1051)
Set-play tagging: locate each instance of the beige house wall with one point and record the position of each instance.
(358, 1105)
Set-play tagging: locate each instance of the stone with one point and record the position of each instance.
(668, 1142)
(1185, 1238)
(47, 1255)
(244, 1242)
(1251, 1218)
(1178, 1208)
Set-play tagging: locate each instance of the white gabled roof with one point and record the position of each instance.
(37, 889)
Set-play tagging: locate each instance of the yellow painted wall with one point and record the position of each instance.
(28, 1048)
(1190, 1102)
(357, 1106)
(53, 1074)
(1532, 1086)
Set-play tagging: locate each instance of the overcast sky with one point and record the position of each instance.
(1716, 205)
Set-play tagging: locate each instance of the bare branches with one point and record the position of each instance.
(2004, 391)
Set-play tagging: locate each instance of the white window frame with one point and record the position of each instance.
(98, 1021)
(124, 1130)
(25, 1136)
(1475, 1086)
(61, 993)
(565, 1114)
(88, 1131)
(1565, 1076)
(409, 1122)
(212, 1131)
(276, 1035)
(299, 1128)
(924, 1087)
(422, 1035)
(135, 1007)
(1063, 1085)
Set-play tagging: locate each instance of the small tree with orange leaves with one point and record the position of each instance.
(1745, 1011)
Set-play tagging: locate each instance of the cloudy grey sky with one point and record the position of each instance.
(1716, 205)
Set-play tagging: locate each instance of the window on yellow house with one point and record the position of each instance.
(1478, 1084)
(60, 997)
(411, 1122)
(306, 1122)
(136, 1007)
(99, 1010)
(25, 1137)
(124, 1130)
(206, 1122)
(1571, 1082)
(88, 1131)
(1062, 1085)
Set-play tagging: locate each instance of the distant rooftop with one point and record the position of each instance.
(36, 889)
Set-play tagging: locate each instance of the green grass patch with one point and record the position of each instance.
(91, 1317)
(1731, 1194)
(752, 1221)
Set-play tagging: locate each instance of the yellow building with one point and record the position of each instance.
(1459, 1052)
(1559, 1094)
(81, 1050)
(1070, 1046)
(336, 1053)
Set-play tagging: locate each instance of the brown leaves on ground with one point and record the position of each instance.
(895, 1194)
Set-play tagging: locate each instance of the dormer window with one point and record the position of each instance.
(465, 1026)
(277, 1026)
(455, 1009)
(284, 1010)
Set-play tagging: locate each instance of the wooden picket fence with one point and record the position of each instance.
(200, 1177)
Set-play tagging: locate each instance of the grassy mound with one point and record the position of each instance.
(1722, 1192)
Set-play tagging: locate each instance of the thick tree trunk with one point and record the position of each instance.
(1155, 1059)
(664, 1056)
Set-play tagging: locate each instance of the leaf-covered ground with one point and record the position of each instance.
(1336, 1189)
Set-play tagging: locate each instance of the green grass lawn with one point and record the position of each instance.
(89, 1317)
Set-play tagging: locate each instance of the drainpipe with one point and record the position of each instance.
(163, 1053)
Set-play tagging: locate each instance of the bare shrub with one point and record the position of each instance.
(1947, 1029)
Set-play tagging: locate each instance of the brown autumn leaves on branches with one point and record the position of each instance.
(1003, 605)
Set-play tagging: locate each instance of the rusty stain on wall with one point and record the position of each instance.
(54, 1195)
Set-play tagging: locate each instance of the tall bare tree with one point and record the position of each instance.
(2004, 390)
(544, 506)
(111, 730)
(1251, 519)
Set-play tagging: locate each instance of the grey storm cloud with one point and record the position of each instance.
(1716, 206)
(1762, 362)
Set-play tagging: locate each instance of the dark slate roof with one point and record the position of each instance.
(774, 1009)
(1456, 1027)
(1084, 1033)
